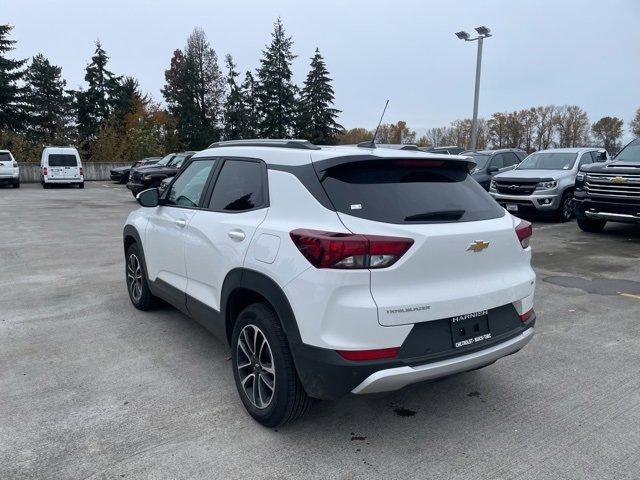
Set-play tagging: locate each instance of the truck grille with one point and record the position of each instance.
(515, 188)
(613, 185)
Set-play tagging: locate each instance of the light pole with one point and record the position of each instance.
(483, 32)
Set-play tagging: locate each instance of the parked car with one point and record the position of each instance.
(491, 162)
(121, 174)
(609, 192)
(61, 166)
(450, 150)
(331, 270)
(544, 181)
(9, 170)
(149, 176)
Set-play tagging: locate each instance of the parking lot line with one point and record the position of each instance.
(630, 295)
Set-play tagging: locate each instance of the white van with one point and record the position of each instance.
(61, 165)
(9, 171)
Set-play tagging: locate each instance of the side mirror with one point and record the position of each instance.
(492, 169)
(149, 198)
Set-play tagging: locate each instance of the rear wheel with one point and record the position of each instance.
(263, 368)
(45, 185)
(16, 184)
(81, 185)
(137, 284)
(591, 225)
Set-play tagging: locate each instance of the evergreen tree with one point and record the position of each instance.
(194, 92)
(12, 114)
(275, 93)
(250, 105)
(234, 113)
(128, 97)
(95, 104)
(47, 102)
(317, 118)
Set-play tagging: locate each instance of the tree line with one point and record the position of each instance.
(110, 119)
(530, 129)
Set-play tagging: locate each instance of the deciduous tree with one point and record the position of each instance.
(607, 132)
(635, 124)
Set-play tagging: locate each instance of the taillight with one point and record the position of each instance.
(44, 171)
(363, 355)
(15, 164)
(524, 230)
(348, 250)
(526, 316)
(81, 171)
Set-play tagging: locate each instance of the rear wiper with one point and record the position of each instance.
(438, 215)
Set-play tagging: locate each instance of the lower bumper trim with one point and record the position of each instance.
(616, 217)
(396, 378)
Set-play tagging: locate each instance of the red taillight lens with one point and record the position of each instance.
(524, 230)
(44, 171)
(349, 251)
(526, 316)
(15, 164)
(81, 171)
(363, 355)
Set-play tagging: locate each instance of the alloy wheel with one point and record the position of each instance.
(255, 366)
(567, 207)
(134, 277)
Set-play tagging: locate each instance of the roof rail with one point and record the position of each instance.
(279, 143)
(392, 146)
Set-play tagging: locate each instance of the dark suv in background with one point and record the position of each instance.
(491, 162)
(142, 178)
(609, 191)
(121, 174)
(450, 150)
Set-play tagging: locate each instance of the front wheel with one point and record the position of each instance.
(591, 225)
(263, 368)
(137, 284)
(565, 210)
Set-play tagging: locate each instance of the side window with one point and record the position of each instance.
(239, 187)
(497, 161)
(510, 159)
(584, 159)
(187, 189)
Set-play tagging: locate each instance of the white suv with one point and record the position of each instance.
(9, 170)
(331, 270)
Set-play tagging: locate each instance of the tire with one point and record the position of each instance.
(81, 185)
(565, 210)
(136, 279)
(286, 400)
(590, 225)
(45, 185)
(16, 184)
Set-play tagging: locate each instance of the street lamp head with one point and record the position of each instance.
(484, 31)
(462, 35)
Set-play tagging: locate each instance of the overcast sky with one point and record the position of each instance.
(543, 52)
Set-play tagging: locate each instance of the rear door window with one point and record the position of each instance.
(5, 157)
(497, 161)
(239, 187)
(510, 159)
(408, 191)
(63, 160)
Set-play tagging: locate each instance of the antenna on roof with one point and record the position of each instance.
(372, 143)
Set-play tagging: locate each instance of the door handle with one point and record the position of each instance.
(181, 222)
(237, 235)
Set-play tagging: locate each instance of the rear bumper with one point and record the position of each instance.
(612, 211)
(9, 177)
(396, 378)
(63, 180)
(426, 354)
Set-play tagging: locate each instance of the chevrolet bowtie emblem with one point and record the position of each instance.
(478, 246)
(618, 180)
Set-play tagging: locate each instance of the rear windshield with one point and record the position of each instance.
(548, 161)
(62, 160)
(630, 153)
(408, 191)
(5, 157)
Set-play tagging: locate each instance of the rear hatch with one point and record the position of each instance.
(63, 166)
(465, 256)
(6, 164)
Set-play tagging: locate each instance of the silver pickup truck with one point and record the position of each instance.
(544, 181)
